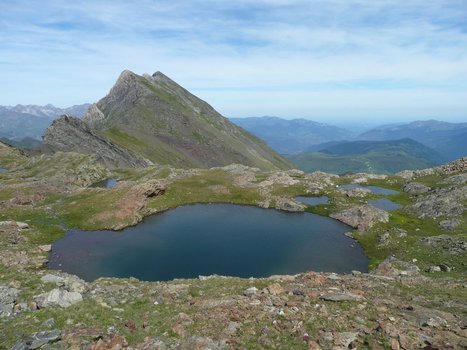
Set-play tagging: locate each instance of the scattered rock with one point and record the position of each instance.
(448, 202)
(38, 340)
(355, 192)
(70, 282)
(58, 298)
(449, 244)
(275, 289)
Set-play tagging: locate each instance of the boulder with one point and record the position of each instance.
(361, 217)
(58, 298)
(341, 297)
(288, 204)
(392, 267)
(8, 298)
(70, 282)
(415, 188)
(448, 202)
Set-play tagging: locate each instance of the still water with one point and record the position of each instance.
(205, 239)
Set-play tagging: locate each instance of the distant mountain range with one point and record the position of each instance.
(292, 136)
(383, 157)
(152, 119)
(30, 121)
(448, 139)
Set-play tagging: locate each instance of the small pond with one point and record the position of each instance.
(374, 189)
(205, 239)
(3, 170)
(313, 200)
(385, 204)
(107, 183)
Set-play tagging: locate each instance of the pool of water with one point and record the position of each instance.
(3, 170)
(374, 189)
(313, 200)
(205, 239)
(107, 183)
(385, 204)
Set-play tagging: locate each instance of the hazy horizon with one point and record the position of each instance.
(329, 61)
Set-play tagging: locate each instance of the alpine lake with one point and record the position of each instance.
(206, 239)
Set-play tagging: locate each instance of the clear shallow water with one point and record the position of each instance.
(313, 200)
(374, 189)
(211, 239)
(107, 183)
(385, 204)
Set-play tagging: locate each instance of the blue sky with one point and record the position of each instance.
(324, 60)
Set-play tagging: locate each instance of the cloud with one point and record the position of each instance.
(242, 51)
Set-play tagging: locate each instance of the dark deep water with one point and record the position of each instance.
(205, 239)
(107, 183)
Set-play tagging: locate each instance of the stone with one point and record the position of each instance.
(443, 202)
(415, 188)
(45, 248)
(289, 204)
(275, 289)
(48, 323)
(362, 217)
(434, 268)
(70, 282)
(449, 224)
(358, 192)
(8, 297)
(341, 297)
(58, 298)
(39, 339)
(392, 267)
(250, 291)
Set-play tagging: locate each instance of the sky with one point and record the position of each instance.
(330, 60)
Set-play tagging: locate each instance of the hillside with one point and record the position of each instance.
(448, 139)
(292, 136)
(158, 119)
(383, 157)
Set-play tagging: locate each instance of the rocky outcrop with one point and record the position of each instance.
(415, 188)
(71, 134)
(361, 217)
(288, 204)
(447, 202)
(58, 298)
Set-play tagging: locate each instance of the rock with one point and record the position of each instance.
(356, 192)
(392, 267)
(341, 297)
(58, 298)
(288, 204)
(38, 340)
(343, 340)
(362, 217)
(383, 239)
(151, 188)
(45, 248)
(449, 224)
(456, 179)
(449, 244)
(70, 282)
(250, 291)
(415, 188)
(448, 202)
(275, 289)
(69, 133)
(8, 297)
(434, 268)
(48, 323)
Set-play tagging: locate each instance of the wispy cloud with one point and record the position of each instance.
(290, 58)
